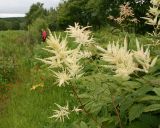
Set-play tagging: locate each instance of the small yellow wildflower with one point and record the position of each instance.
(36, 86)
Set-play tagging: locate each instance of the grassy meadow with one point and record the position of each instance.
(21, 107)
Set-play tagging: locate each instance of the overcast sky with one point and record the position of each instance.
(22, 6)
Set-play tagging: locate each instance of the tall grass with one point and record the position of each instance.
(25, 108)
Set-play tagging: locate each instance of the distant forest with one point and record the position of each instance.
(18, 23)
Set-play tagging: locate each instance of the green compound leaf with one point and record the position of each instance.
(152, 107)
(83, 125)
(135, 111)
(149, 98)
(157, 91)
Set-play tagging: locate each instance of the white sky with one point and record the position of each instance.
(9, 8)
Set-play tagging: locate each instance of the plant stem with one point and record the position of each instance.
(117, 112)
(115, 108)
(79, 100)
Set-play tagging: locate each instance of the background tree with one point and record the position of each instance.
(18, 23)
(34, 30)
(95, 13)
(36, 11)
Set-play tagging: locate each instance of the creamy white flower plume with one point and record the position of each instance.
(55, 42)
(61, 113)
(59, 50)
(64, 112)
(64, 62)
(62, 77)
(155, 2)
(81, 35)
(119, 59)
(76, 109)
(122, 61)
(143, 57)
(85, 54)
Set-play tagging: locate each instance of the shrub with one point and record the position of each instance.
(34, 30)
(122, 92)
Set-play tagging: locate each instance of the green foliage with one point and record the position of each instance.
(157, 91)
(152, 107)
(83, 125)
(7, 70)
(132, 98)
(36, 20)
(19, 106)
(92, 12)
(109, 100)
(95, 13)
(12, 23)
(35, 29)
(137, 100)
(135, 111)
(152, 17)
(36, 11)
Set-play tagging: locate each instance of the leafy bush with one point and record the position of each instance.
(7, 70)
(119, 90)
(153, 17)
(126, 17)
(34, 30)
(95, 13)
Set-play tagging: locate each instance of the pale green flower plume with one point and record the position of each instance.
(155, 2)
(154, 10)
(152, 17)
(143, 57)
(81, 34)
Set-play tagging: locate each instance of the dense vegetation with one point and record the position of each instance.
(108, 78)
(22, 107)
(12, 23)
(91, 12)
